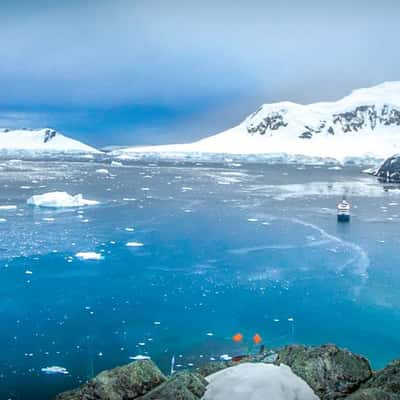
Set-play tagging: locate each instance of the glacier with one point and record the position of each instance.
(361, 128)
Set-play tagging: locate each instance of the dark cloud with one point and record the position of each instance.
(111, 54)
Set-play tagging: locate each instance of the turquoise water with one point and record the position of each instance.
(226, 249)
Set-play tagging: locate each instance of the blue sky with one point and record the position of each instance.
(134, 72)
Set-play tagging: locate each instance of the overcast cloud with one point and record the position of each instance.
(151, 71)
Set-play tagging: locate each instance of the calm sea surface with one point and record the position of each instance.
(225, 249)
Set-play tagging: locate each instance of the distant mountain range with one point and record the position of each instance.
(361, 127)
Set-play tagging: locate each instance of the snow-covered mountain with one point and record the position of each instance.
(362, 126)
(40, 141)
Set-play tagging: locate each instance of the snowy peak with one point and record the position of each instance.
(364, 109)
(42, 140)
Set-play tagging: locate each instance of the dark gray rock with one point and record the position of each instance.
(181, 386)
(331, 372)
(387, 379)
(372, 394)
(389, 171)
(366, 116)
(122, 383)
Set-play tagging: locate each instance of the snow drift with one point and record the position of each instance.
(257, 382)
(364, 126)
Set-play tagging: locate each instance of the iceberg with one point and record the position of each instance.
(59, 200)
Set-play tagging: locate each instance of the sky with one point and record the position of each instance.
(131, 72)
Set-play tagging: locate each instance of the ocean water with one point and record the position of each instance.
(226, 248)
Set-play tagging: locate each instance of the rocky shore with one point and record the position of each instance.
(325, 372)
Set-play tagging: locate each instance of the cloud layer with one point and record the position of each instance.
(179, 55)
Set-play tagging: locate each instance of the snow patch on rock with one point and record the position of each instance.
(257, 381)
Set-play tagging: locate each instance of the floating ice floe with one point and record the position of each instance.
(3, 220)
(134, 244)
(116, 164)
(225, 357)
(139, 357)
(102, 171)
(55, 370)
(88, 255)
(59, 200)
(8, 207)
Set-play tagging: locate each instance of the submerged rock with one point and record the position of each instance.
(122, 383)
(181, 386)
(331, 372)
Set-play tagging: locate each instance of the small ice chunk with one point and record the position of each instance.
(88, 255)
(209, 334)
(139, 357)
(102, 171)
(225, 357)
(55, 370)
(59, 200)
(134, 244)
(116, 164)
(129, 229)
(252, 219)
(27, 272)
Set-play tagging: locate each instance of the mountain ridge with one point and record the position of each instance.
(363, 125)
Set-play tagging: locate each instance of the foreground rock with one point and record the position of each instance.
(123, 383)
(324, 372)
(331, 372)
(182, 386)
(372, 394)
(384, 384)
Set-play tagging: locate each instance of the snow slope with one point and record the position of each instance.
(40, 141)
(257, 381)
(362, 126)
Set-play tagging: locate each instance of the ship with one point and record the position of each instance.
(343, 211)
